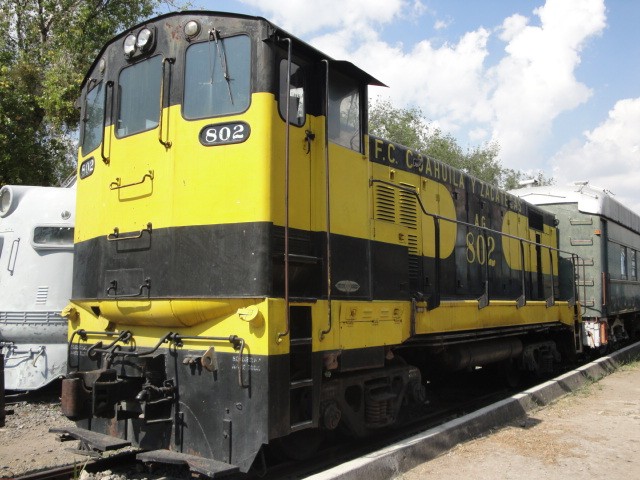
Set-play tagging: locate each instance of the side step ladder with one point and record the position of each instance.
(302, 372)
(203, 466)
(90, 441)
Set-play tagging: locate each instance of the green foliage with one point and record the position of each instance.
(409, 127)
(45, 48)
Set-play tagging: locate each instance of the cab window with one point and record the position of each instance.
(52, 237)
(93, 119)
(295, 96)
(139, 93)
(217, 77)
(345, 127)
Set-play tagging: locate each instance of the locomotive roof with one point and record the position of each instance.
(342, 65)
(590, 199)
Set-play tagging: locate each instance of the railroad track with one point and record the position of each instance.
(73, 471)
(338, 449)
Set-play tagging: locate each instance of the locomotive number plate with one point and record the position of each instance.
(224, 133)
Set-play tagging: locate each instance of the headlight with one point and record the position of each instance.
(129, 45)
(191, 29)
(5, 200)
(145, 38)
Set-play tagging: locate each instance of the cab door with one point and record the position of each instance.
(346, 183)
(294, 77)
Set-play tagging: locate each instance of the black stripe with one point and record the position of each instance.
(247, 260)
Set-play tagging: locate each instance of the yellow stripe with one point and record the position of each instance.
(259, 321)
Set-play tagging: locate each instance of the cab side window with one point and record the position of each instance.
(295, 95)
(93, 119)
(345, 125)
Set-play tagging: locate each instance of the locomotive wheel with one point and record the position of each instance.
(512, 374)
(300, 445)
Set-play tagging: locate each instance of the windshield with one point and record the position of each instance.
(217, 77)
(93, 119)
(139, 89)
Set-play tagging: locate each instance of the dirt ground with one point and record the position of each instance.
(25, 442)
(592, 433)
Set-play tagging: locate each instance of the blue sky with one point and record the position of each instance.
(556, 83)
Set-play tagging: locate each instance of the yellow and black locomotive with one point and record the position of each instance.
(251, 266)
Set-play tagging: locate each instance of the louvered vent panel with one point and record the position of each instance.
(414, 259)
(385, 208)
(413, 244)
(408, 209)
(41, 295)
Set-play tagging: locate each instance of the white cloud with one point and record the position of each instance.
(609, 156)
(535, 81)
(442, 24)
(515, 101)
(512, 99)
(306, 17)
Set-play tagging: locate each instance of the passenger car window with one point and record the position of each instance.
(93, 119)
(295, 96)
(139, 93)
(344, 112)
(623, 262)
(217, 77)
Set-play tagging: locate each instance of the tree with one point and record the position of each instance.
(45, 48)
(409, 127)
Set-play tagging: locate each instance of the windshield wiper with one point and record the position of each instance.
(223, 61)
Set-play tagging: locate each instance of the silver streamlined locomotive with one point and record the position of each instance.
(36, 259)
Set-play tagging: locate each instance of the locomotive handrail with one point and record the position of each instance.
(438, 217)
(11, 267)
(552, 300)
(521, 301)
(280, 335)
(109, 85)
(327, 198)
(115, 236)
(113, 287)
(117, 184)
(576, 275)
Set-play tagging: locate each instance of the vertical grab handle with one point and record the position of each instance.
(106, 158)
(166, 143)
(11, 266)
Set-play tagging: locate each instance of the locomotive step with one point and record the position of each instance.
(204, 466)
(303, 259)
(307, 382)
(93, 440)
(301, 425)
